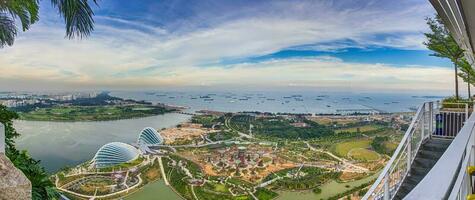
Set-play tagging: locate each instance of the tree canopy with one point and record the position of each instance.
(77, 15)
(443, 45)
(42, 186)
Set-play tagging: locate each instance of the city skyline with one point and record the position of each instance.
(331, 45)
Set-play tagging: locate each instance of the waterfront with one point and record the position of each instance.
(60, 144)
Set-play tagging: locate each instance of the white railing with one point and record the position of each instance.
(448, 178)
(463, 184)
(393, 174)
(451, 119)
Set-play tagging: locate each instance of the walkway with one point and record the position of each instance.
(163, 171)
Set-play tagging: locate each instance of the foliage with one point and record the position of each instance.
(454, 102)
(306, 178)
(207, 121)
(265, 194)
(42, 186)
(467, 73)
(378, 144)
(279, 127)
(443, 44)
(92, 113)
(77, 15)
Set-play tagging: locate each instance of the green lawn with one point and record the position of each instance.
(358, 129)
(91, 113)
(363, 154)
(343, 148)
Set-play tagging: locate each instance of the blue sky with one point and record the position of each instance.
(329, 44)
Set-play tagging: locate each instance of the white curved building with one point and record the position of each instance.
(149, 136)
(114, 153)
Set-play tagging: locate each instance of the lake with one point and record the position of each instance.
(60, 144)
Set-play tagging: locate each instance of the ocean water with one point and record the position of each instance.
(286, 102)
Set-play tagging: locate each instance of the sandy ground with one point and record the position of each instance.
(185, 132)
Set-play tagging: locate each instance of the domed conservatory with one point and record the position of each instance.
(149, 136)
(114, 153)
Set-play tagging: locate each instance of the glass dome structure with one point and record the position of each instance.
(114, 153)
(149, 136)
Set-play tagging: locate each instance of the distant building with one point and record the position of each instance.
(299, 124)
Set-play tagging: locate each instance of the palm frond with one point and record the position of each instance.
(8, 30)
(77, 15)
(25, 10)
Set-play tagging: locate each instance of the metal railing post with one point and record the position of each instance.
(409, 153)
(423, 119)
(466, 111)
(431, 118)
(386, 187)
(2, 138)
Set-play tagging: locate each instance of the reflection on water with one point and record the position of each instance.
(59, 144)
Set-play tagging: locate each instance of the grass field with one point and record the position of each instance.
(363, 154)
(91, 113)
(329, 121)
(359, 129)
(343, 148)
(391, 146)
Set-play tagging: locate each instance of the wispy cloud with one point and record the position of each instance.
(135, 52)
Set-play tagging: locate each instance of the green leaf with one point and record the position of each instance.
(77, 15)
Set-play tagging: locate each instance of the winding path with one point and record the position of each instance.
(350, 167)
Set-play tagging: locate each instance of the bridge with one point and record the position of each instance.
(185, 113)
(359, 110)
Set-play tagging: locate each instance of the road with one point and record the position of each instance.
(348, 166)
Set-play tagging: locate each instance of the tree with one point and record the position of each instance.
(467, 74)
(443, 44)
(42, 186)
(77, 15)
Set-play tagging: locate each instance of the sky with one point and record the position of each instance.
(336, 45)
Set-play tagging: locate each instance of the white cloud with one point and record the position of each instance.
(152, 56)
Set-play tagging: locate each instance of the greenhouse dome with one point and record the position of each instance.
(114, 153)
(149, 136)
